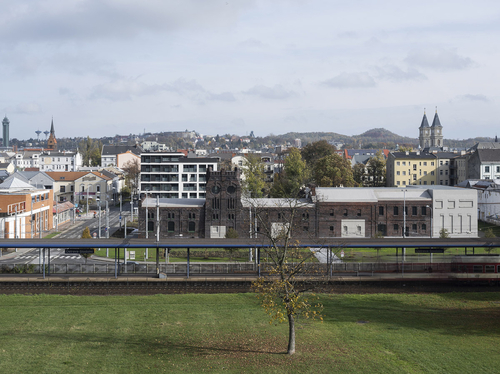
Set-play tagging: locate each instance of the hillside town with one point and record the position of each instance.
(212, 187)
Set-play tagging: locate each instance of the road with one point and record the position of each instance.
(33, 256)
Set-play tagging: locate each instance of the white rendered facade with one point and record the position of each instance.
(60, 161)
(173, 175)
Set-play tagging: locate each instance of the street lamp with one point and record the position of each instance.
(430, 228)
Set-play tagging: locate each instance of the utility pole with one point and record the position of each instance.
(99, 203)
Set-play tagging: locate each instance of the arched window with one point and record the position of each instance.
(192, 226)
(171, 226)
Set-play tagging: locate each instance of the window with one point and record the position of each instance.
(425, 173)
(404, 172)
(477, 269)
(215, 203)
(424, 227)
(414, 227)
(98, 188)
(230, 216)
(380, 210)
(404, 163)
(396, 211)
(424, 210)
(305, 228)
(359, 213)
(398, 163)
(62, 189)
(192, 226)
(332, 213)
(425, 163)
(414, 166)
(414, 177)
(346, 231)
(486, 169)
(305, 216)
(345, 213)
(489, 268)
(331, 228)
(432, 173)
(215, 215)
(171, 226)
(414, 210)
(192, 216)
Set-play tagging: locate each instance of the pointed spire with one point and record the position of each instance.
(424, 121)
(52, 127)
(435, 121)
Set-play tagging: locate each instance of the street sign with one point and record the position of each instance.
(429, 250)
(79, 251)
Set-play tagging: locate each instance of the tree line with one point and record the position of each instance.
(317, 163)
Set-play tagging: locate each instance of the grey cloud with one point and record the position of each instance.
(24, 108)
(224, 96)
(438, 59)
(126, 89)
(470, 97)
(278, 92)
(396, 74)
(350, 80)
(25, 20)
(252, 43)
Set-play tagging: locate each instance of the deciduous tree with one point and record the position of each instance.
(312, 152)
(132, 170)
(86, 235)
(255, 177)
(288, 182)
(91, 151)
(333, 171)
(282, 295)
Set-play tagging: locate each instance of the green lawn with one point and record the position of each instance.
(434, 333)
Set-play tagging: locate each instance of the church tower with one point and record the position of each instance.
(52, 142)
(5, 124)
(436, 132)
(425, 133)
(223, 207)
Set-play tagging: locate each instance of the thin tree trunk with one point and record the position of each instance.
(291, 335)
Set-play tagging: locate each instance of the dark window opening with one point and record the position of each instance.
(380, 210)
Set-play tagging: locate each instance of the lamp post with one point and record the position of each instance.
(99, 204)
(107, 220)
(40, 221)
(120, 210)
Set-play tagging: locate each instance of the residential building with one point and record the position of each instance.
(25, 211)
(484, 164)
(60, 161)
(173, 175)
(411, 168)
(110, 152)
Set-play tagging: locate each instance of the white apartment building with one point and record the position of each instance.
(60, 161)
(173, 175)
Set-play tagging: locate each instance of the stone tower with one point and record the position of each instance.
(436, 132)
(425, 133)
(5, 124)
(52, 142)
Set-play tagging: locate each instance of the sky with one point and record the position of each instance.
(107, 67)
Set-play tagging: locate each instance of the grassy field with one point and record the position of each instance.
(436, 333)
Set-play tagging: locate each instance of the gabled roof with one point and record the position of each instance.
(66, 175)
(488, 155)
(113, 150)
(16, 184)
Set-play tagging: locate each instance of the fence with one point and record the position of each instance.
(225, 268)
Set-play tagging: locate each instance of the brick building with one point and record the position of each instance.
(323, 213)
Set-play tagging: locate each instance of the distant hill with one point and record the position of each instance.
(375, 138)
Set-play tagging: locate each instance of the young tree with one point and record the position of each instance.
(91, 151)
(86, 235)
(132, 170)
(255, 177)
(333, 171)
(375, 168)
(443, 233)
(359, 173)
(281, 293)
